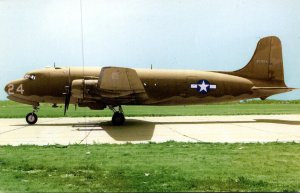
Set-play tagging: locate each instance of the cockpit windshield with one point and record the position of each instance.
(29, 76)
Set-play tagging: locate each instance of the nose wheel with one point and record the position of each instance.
(118, 117)
(31, 118)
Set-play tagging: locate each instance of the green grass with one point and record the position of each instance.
(9, 109)
(164, 167)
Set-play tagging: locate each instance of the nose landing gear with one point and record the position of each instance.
(31, 118)
(118, 118)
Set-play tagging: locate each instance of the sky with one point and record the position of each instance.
(169, 34)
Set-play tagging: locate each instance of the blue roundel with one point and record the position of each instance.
(203, 86)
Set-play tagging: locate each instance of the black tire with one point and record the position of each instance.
(118, 119)
(31, 118)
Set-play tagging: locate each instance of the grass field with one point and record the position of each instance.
(9, 109)
(164, 167)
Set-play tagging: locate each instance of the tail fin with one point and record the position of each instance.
(266, 66)
(266, 62)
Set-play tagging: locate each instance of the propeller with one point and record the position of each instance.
(68, 93)
(67, 99)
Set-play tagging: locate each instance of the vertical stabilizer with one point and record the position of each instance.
(266, 62)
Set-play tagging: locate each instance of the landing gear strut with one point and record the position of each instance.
(31, 118)
(118, 118)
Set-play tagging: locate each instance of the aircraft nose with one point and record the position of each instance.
(14, 87)
(6, 88)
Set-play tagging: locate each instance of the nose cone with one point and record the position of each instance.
(6, 88)
(14, 87)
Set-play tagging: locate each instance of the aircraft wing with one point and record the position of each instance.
(120, 84)
(119, 81)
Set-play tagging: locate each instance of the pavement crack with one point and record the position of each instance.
(4, 132)
(182, 134)
(18, 128)
(86, 136)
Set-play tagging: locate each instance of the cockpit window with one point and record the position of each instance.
(30, 76)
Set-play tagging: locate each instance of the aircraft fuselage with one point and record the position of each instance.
(163, 87)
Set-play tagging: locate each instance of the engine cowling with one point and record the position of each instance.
(82, 88)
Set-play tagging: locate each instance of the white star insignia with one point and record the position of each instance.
(203, 86)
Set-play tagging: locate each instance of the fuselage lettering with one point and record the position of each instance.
(20, 89)
(11, 89)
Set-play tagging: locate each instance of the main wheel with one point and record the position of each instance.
(118, 118)
(31, 118)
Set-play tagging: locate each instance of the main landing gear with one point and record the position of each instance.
(31, 118)
(118, 118)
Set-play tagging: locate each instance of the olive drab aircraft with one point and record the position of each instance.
(112, 87)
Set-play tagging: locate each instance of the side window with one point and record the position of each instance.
(30, 76)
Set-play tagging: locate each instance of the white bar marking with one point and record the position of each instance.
(193, 85)
(213, 86)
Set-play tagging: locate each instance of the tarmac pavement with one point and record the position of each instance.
(231, 129)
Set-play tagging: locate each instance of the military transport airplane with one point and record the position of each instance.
(98, 88)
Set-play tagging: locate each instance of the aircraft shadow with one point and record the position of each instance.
(138, 130)
(276, 121)
(132, 130)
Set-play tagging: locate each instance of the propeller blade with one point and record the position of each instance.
(67, 99)
(68, 93)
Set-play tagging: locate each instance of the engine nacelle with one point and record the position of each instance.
(81, 88)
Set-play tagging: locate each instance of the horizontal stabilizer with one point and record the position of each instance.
(274, 88)
(265, 92)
